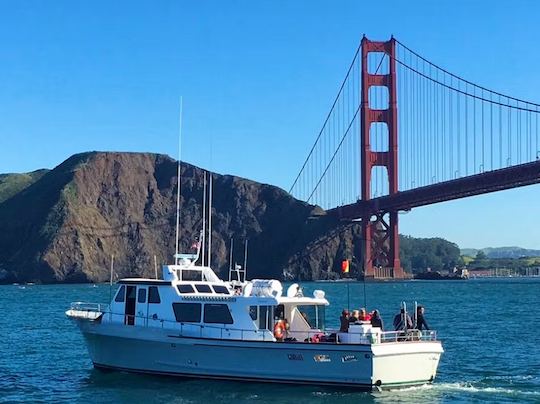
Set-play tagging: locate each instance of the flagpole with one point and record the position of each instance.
(348, 296)
(345, 272)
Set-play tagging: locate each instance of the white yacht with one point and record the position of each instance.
(191, 323)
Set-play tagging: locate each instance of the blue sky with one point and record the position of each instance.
(257, 78)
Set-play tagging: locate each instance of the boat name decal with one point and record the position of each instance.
(295, 357)
(322, 358)
(349, 358)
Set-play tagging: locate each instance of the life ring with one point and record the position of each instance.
(279, 330)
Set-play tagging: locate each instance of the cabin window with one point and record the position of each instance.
(253, 312)
(266, 317)
(313, 314)
(187, 312)
(141, 298)
(121, 295)
(202, 288)
(220, 289)
(191, 275)
(153, 295)
(185, 288)
(217, 314)
(279, 312)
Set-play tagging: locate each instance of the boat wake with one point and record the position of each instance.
(476, 390)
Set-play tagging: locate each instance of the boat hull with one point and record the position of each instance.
(165, 352)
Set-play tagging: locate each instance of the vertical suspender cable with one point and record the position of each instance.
(466, 132)
(491, 128)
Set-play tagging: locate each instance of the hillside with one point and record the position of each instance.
(11, 184)
(502, 252)
(66, 225)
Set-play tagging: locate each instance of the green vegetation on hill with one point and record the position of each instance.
(482, 261)
(11, 184)
(501, 252)
(421, 254)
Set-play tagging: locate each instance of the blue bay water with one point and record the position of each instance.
(489, 330)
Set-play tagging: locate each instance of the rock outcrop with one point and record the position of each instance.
(66, 226)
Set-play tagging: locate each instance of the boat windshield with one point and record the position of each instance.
(314, 315)
(190, 275)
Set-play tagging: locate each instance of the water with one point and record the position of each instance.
(488, 328)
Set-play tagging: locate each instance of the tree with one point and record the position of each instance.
(480, 255)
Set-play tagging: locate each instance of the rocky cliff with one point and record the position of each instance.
(66, 225)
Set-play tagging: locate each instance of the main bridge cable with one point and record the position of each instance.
(343, 138)
(480, 98)
(327, 117)
(466, 81)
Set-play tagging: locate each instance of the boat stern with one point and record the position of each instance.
(405, 363)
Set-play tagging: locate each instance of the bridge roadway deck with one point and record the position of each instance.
(483, 183)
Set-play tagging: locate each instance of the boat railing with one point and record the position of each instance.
(408, 335)
(94, 307)
(328, 336)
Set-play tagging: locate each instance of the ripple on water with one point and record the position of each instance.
(43, 357)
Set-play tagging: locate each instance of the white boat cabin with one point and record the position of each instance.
(194, 301)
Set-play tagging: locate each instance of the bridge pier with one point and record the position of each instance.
(379, 235)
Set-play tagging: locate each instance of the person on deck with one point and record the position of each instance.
(355, 317)
(344, 321)
(402, 321)
(421, 323)
(376, 320)
(364, 316)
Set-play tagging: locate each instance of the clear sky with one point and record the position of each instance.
(257, 78)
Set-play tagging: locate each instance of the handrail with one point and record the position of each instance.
(409, 335)
(327, 336)
(84, 306)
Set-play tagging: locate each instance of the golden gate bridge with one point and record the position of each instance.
(403, 132)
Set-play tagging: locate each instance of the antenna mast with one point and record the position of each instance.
(245, 258)
(111, 280)
(203, 218)
(178, 187)
(209, 218)
(230, 260)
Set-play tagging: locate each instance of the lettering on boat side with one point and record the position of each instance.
(349, 358)
(322, 358)
(295, 357)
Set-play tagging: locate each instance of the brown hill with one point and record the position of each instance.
(66, 225)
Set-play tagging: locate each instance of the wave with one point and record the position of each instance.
(472, 388)
(440, 391)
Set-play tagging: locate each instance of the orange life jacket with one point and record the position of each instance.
(279, 330)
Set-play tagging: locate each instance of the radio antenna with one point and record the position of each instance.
(178, 187)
